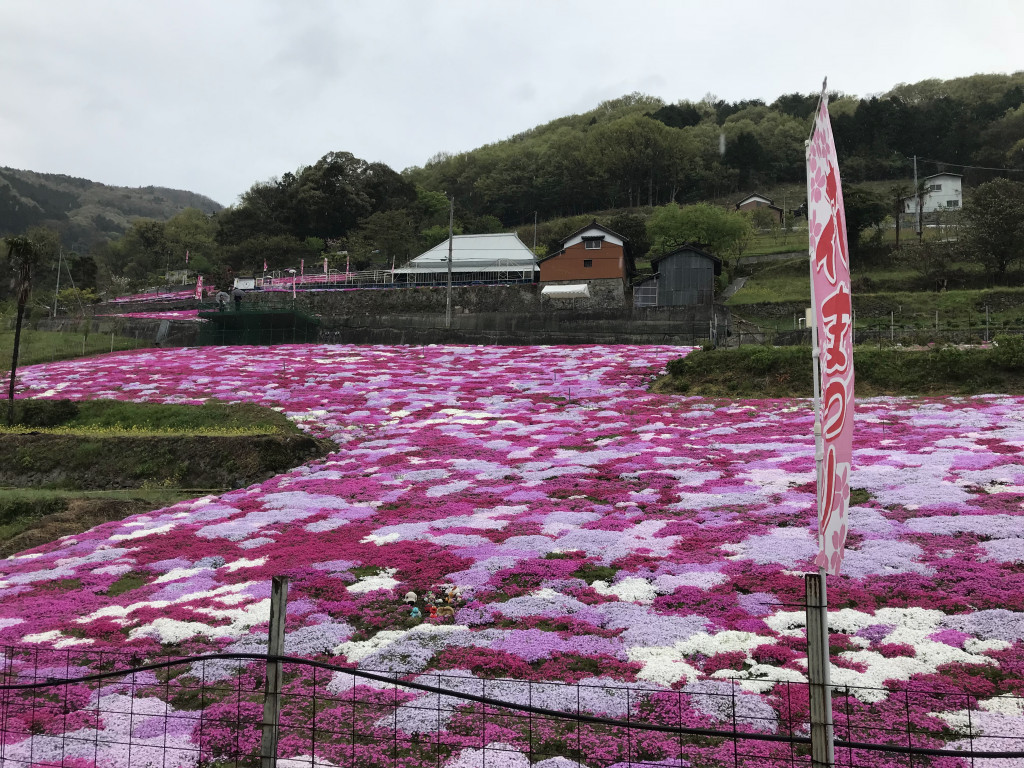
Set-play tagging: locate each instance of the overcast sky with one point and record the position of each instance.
(213, 95)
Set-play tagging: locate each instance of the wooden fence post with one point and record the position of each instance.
(822, 746)
(272, 697)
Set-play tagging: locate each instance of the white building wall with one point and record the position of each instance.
(590, 232)
(942, 193)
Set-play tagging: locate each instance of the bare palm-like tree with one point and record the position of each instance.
(898, 195)
(22, 255)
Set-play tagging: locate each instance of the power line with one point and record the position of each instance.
(974, 167)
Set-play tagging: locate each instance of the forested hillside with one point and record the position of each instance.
(629, 162)
(85, 212)
(637, 150)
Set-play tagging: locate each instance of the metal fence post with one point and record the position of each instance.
(272, 697)
(822, 746)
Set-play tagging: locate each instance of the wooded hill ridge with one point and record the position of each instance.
(629, 162)
(638, 150)
(84, 212)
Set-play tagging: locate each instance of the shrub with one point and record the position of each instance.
(763, 361)
(947, 363)
(44, 413)
(1008, 352)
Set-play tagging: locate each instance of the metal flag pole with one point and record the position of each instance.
(818, 662)
(451, 229)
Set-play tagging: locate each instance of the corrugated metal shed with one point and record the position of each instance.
(686, 277)
(502, 252)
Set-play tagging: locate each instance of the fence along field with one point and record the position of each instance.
(601, 536)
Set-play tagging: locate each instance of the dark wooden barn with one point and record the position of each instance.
(684, 277)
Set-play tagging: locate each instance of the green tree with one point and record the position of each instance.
(681, 115)
(438, 233)
(725, 233)
(22, 257)
(762, 218)
(1001, 138)
(993, 225)
(898, 193)
(391, 233)
(933, 261)
(142, 254)
(72, 299)
(864, 209)
(484, 224)
(634, 229)
(430, 207)
(278, 251)
(194, 232)
(746, 155)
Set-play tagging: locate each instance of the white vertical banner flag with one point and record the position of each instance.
(830, 296)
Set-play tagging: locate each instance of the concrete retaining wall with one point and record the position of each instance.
(684, 327)
(506, 314)
(383, 301)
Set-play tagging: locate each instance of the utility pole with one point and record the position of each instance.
(784, 203)
(535, 231)
(448, 303)
(917, 197)
(60, 257)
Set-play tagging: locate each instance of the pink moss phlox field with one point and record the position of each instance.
(177, 314)
(187, 293)
(597, 532)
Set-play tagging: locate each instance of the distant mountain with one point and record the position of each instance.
(85, 211)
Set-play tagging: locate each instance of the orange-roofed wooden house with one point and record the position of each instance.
(595, 256)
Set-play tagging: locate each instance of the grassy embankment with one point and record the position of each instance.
(882, 294)
(67, 466)
(786, 371)
(47, 346)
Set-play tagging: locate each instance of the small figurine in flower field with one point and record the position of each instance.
(410, 598)
(446, 610)
(416, 613)
(433, 611)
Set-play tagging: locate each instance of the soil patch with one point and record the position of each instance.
(78, 515)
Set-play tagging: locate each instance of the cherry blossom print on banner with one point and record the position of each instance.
(830, 291)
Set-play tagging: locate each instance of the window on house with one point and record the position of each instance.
(592, 245)
(952, 203)
(588, 262)
(934, 188)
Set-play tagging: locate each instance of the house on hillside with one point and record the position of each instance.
(684, 277)
(754, 201)
(942, 192)
(495, 258)
(594, 256)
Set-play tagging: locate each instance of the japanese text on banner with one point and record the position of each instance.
(830, 285)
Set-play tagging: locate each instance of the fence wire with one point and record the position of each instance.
(78, 708)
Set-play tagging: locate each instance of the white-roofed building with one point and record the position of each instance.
(494, 258)
(942, 192)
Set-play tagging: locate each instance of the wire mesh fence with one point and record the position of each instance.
(82, 708)
(882, 335)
